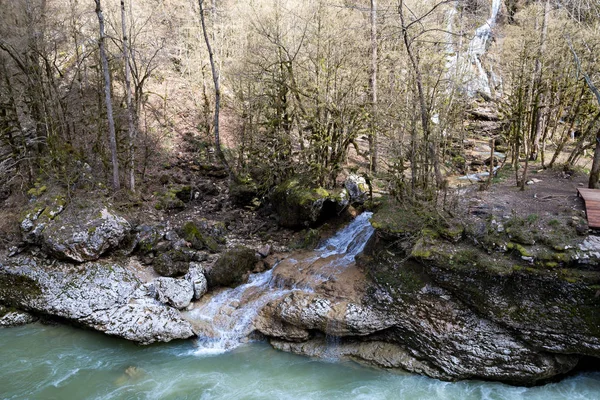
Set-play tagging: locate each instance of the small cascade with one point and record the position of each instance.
(225, 320)
(349, 241)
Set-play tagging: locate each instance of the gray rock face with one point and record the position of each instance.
(197, 279)
(333, 316)
(10, 317)
(175, 292)
(73, 233)
(101, 295)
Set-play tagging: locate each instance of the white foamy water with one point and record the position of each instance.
(225, 321)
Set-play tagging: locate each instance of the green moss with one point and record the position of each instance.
(308, 239)
(16, 290)
(38, 190)
(299, 203)
(523, 252)
(198, 238)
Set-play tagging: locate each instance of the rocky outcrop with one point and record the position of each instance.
(472, 317)
(71, 232)
(105, 296)
(299, 205)
(11, 317)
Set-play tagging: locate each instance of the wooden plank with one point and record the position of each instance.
(591, 199)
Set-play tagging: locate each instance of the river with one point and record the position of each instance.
(60, 362)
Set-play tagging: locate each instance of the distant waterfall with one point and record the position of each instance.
(468, 67)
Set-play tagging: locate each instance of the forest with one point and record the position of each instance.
(102, 95)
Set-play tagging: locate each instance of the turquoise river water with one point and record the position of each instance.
(60, 362)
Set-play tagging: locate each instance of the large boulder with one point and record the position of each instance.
(232, 268)
(74, 233)
(171, 263)
(174, 292)
(204, 235)
(300, 205)
(104, 296)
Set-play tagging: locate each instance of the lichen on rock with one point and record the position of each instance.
(71, 232)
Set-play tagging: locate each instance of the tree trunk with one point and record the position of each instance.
(536, 126)
(373, 87)
(112, 137)
(130, 110)
(430, 144)
(215, 75)
(595, 170)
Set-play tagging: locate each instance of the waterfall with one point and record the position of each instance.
(477, 48)
(469, 67)
(225, 320)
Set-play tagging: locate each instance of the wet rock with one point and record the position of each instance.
(264, 251)
(198, 280)
(175, 292)
(75, 233)
(100, 295)
(232, 268)
(333, 316)
(375, 353)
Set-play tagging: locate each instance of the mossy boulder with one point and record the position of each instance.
(357, 187)
(171, 199)
(174, 262)
(148, 237)
(243, 193)
(299, 205)
(232, 268)
(203, 235)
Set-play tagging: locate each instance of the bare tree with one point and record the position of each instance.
(109, 111)
(595, 170)
(130, 110)
(373, 87)
(216, 81)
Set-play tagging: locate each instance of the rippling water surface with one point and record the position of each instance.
(58, 362)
